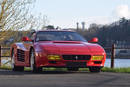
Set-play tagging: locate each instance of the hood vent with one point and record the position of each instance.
(20, 55)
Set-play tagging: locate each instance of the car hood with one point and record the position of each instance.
(70, 46)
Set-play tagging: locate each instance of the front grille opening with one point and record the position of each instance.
(53, 62)
(76, 57)
(97, 62)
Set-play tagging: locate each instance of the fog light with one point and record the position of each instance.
(97, 57)
(53, 57)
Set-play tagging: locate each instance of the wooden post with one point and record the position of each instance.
(0, 55)
(112, 55)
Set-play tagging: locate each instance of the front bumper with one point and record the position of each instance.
(79, 64)
(42, 61)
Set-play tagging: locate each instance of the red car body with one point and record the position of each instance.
(69, 54)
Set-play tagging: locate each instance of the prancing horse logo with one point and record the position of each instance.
(76, 57)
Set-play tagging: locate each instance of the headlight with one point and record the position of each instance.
(53, 57)
(97, 57)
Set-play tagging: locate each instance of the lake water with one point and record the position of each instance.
(119, 63)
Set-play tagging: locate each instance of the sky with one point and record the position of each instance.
(66, 13)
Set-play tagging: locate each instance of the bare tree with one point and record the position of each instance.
(38, 22)
(15, 15)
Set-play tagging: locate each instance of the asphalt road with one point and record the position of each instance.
(63, 79)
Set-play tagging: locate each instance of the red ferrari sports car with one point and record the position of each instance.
(57, 48)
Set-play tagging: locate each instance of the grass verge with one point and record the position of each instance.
(105, 69)
(118, 70)
(5, 67)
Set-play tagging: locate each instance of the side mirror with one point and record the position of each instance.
(94, 40)
(26, 39)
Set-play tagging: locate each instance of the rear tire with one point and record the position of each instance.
(33, 63)
(14, 67)
(95, 69)
(73, 69)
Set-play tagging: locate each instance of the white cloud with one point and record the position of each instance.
(123, 11)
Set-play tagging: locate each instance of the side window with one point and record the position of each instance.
(33, 36)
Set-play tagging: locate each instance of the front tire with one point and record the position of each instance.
(33, 63)
(14, 67)
(95, 69)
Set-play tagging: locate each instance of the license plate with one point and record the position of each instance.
(76, 64)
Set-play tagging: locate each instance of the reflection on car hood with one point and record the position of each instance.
(70, 46)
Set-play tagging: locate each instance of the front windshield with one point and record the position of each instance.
(58, 36)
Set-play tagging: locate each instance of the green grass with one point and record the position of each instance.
(48, 69)
(83, 69)
(105, 69)
(5, 67)
(118, 70)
